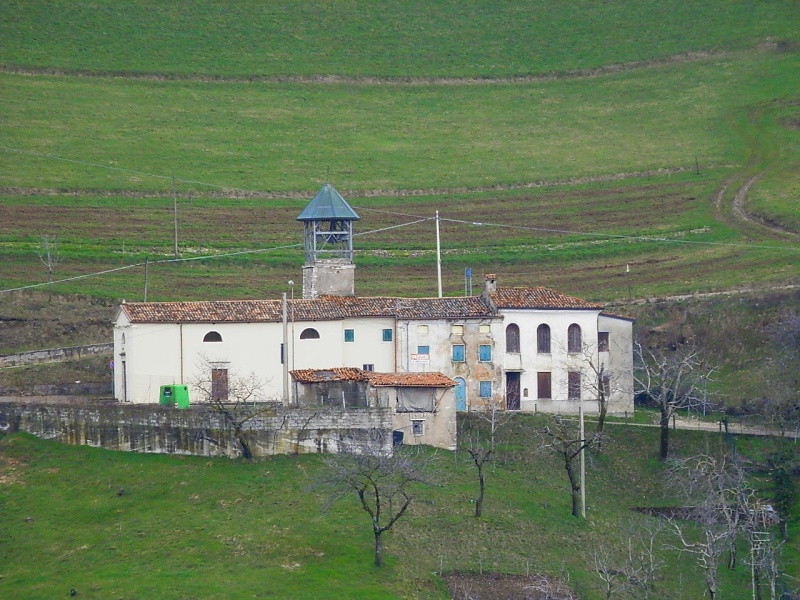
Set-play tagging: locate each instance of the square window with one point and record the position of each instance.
(423, 349)
(485, 389)
(602, 341)
(387, 335)
(368, 368)
(485, 329)
(417, 427)
(457, 330)
(458, 352)
(422, 329)
(484, 353)
(349, 335)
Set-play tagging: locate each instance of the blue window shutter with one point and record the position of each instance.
(458, 353)
(349, 335)
(484, 353)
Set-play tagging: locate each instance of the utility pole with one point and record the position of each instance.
(438, 256)
(285, 353)
(146, 276)
(583, 464)
(175, 213)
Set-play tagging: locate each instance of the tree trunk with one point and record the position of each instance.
(378, 549)
(733, 555)
(576, 488)
(247, 454)
(482, 488)
(664, 435)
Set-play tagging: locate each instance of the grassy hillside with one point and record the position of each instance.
(133, 135)
(397, 39)
(696, 132)
(188, 527)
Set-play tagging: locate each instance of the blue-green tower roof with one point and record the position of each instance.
(328, 204)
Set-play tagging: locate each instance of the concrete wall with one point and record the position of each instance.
(198, 430)
(558, 362)
(440, 336)
(619, 362)
(157, 354)
(439, 428)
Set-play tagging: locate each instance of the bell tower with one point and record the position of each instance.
(328, 239)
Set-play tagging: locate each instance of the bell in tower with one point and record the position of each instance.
(328, 237)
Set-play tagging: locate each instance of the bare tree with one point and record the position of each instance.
(238, 399)
(601, 384)
(562, 437)
(478, 433)
(632, 569)
(781, 404)
(49, 254)
(720, 501)
(781, 464)
(607, 569)
(384, 481)
(671, 379)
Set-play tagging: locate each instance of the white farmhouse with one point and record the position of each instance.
(527, 349)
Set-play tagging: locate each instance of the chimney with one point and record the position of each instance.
(490, 283)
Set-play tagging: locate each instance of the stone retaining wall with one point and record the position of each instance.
(35, 357)
(198, 430)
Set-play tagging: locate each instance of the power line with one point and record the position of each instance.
(187, 259)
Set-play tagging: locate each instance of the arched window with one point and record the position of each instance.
(543, 339)
(212, 336)
(309, 334)
(512, 338)
(574, 342)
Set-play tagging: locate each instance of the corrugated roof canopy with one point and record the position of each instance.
(328, 204)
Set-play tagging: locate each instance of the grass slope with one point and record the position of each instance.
(398, 39)
(121, 134)
(188, 527)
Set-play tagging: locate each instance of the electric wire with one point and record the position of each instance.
(418, 219)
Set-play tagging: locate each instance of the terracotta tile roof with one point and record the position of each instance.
(339, 307)
(334, 374)
(442, 308)
(538, 297)
(258, 311)
(231, 311)
(343, 307)
(375, 379)
(410, 380)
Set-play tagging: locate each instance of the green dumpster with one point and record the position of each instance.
(174, 394)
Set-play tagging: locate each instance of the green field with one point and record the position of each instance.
(504, 124)
(612, 150)
(189, 527)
